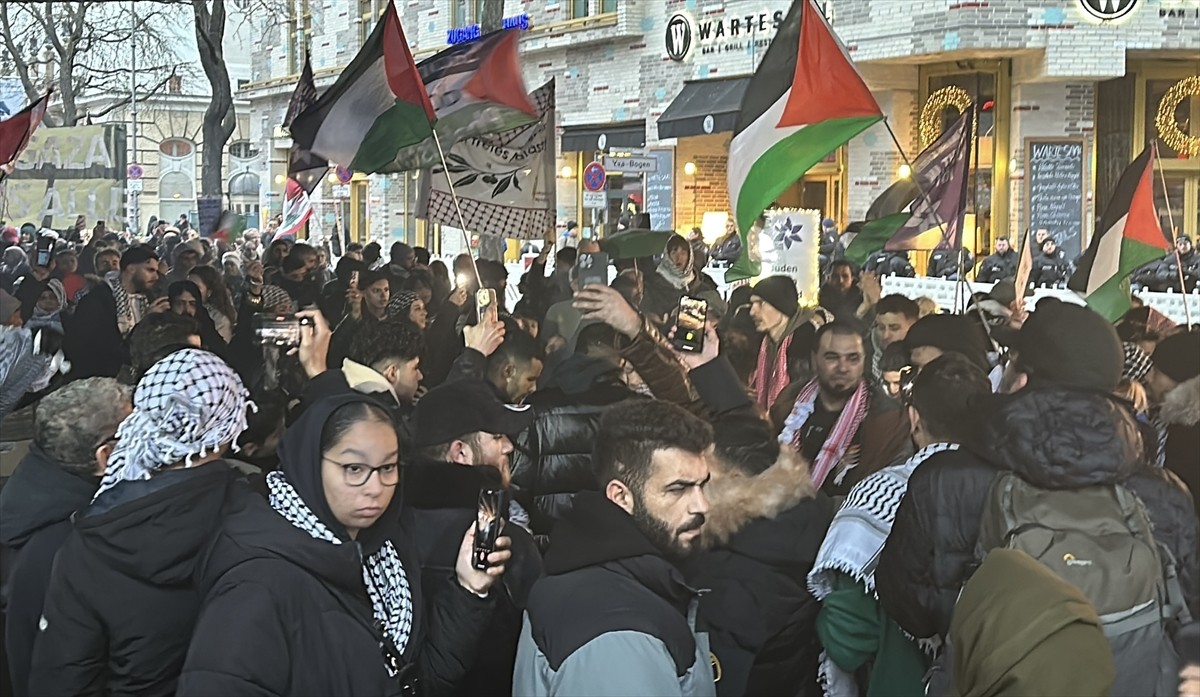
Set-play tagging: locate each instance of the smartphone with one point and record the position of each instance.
(489, 523)
(689, 325)
(485, 300)
(593, 269)
(45, 251)
(354, 280)
(279, 330)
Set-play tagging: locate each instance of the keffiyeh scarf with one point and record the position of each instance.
(840, 437)
(274, 296)
(187, 405)
(1137, 363)
(770, 375)
(125, 319)
(383, 573)
(678, 279)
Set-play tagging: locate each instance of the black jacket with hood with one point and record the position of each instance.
(287, 614)
(122, 599)
(441, 501)
(765, 533)
(553, 459)
(1054, 438)
(36, 506)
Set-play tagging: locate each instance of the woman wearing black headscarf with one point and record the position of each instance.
(315, 592)
(187, 299)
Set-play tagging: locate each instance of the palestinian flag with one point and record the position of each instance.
(939, 186)
(297, 209)
(16, 130)
(303, 166)
(805, 100)
(1128, 236)
(377, 106)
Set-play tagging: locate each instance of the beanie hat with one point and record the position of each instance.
(8, 305)
(1178, 356)
(137, 255)
(1071, 346)
(780, 292)
(957, 333)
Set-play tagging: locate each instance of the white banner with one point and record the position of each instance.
(789, 246)
(504, 181)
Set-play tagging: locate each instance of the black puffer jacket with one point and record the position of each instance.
(1054, 438)
(553, 459)
(441, 502)
(122, 600)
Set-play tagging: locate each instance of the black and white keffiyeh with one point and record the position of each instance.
(187, 405)
(383, 573)
(125, 318)
(401, 304)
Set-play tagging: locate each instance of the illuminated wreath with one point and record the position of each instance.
(1168, 129)
(930, 126)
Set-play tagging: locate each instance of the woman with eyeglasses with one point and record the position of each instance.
(315, 591)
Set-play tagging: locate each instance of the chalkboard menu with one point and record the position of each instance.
(1054, 189)
(660, 191)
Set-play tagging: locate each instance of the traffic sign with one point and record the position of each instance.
(595, 199)
(594, 177)
(647, 165)
(344, 174)
(134, 185)
(134, 171)
(341, 191)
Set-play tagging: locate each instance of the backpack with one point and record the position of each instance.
(1100, 539)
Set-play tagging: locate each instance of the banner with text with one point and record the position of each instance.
(66, 172)
(789, 246)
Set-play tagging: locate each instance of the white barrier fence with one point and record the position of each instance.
(942, 292)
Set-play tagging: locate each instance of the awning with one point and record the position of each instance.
(689, 114)
(586, 137)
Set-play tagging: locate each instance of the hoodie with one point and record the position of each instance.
(137, 546)
(612, 611)
(36, 506)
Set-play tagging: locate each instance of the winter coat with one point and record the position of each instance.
(122, 599)
(1055, 438)
(1181, 414)
(36, 506)
(93, 342)
(890, 264)
(1050, 271)
(285, 613)
(998, 266)
(553, 458)
(612, 615)
(759, 614)
(943, 263)
(1162, 274)
(441, 501)
(843, 305)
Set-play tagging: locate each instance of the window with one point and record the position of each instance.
(1187, 115)
(176, 186)
(608, 6)
(464, 13)
(244, 184)
(579, 8)
(175, 147)
(367, 14)
(1181, 173)
(243, 150)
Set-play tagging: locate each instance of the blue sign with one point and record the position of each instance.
(461, 35)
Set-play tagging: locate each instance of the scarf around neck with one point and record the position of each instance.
(382, 571)
(862, 525)
(839, 439)
(125, 319)
(678, 279)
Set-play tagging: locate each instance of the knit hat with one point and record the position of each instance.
(55, 286)
(1071, 346)
(780, 292)
(1178, 356)
(957, 333)
(8, 305)
(137, 255)
(400, 305)
(10, 235)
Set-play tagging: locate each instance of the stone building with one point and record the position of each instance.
(661, 81)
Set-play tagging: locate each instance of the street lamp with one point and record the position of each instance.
(567, 172)
(904, 172)
(279, 178)
(689, 168)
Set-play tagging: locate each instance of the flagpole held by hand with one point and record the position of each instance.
(462, 222)
(1187, 311)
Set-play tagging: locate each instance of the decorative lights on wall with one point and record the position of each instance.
(1165, 124)
(930, 125)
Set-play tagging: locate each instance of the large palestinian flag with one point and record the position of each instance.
(804, 101)
(1128, 236)
(377, 106)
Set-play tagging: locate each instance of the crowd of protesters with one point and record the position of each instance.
(864, 496)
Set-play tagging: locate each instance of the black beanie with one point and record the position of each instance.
(957, 333)
(1070, 345)
(137, 255)
(1178, 356)
(779, 292)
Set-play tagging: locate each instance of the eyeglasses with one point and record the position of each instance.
(908, 377)
(357, 474)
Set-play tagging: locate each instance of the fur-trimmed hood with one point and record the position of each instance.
(1182, 405)
(736, 500)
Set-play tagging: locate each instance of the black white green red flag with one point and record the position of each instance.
(16, 130)
(805, 100)
(1128, 236)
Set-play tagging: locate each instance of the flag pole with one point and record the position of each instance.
(462, 221)
(1187, 312)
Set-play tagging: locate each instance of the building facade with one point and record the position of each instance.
(655, 85)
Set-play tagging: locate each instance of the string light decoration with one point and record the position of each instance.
(1168, 128)
(930, 125)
